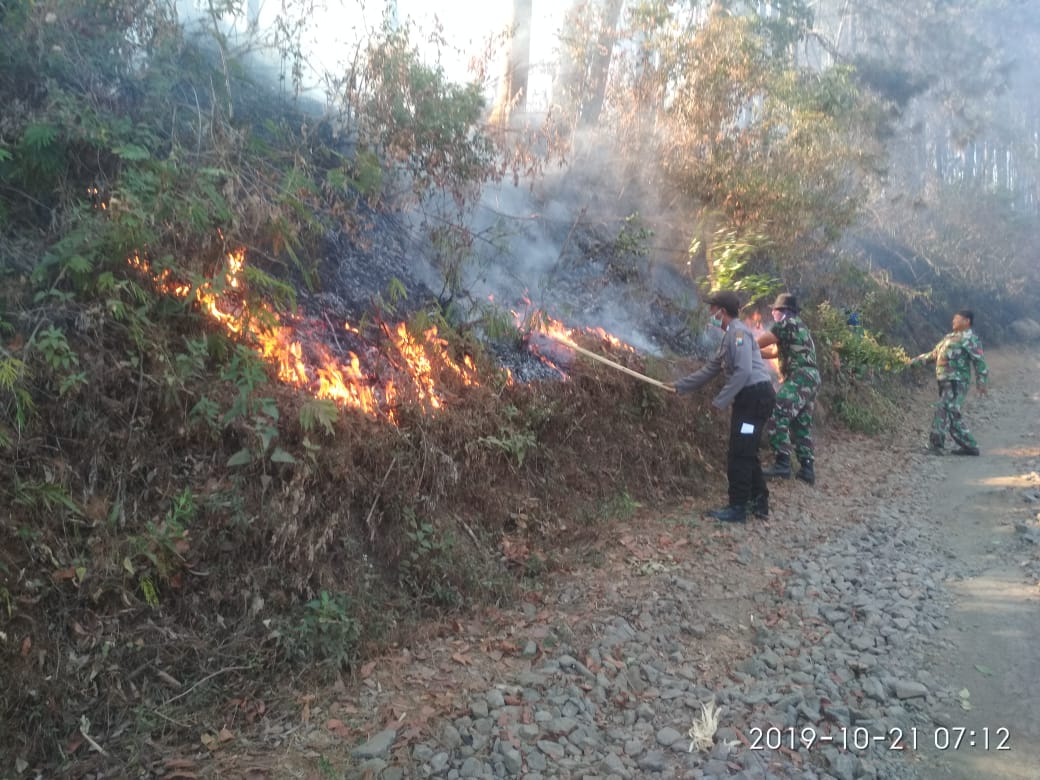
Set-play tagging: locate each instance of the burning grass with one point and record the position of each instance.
(300, 353)
(149, 571)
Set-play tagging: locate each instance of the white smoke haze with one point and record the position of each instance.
(540, 245)
(553, 252)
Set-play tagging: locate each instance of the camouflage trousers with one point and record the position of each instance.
(790, 427)
(948, 416)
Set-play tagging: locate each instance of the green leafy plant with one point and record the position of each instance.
(854, 365)
(258, 415)
(206, 411)
(52, 345)
(732, 259)
(851, 353)
(55, 349)
(263, 427)
(416, 114)
(515, 444)
(326, 632)
(428, 564)
(159, 552)
(319, 413)
(633, 238)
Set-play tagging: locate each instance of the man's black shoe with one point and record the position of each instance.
(806, 473)
(729, 514)
(781, 467)
(760, 507)
(966, 451)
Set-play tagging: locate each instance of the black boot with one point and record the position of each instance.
(781, 467)
(729, 514)
(759, 507)
(806, 473)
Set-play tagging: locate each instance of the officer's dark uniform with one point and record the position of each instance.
(750, 390)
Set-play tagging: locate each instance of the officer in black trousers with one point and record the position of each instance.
(750, 390)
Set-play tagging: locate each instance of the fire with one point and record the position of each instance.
(560, 337)
(374, 388)
(755, 323)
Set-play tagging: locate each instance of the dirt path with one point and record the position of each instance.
(982, 506)
(896, 593)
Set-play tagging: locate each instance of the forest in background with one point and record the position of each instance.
(255, 412)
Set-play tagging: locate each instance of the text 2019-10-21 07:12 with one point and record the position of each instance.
(862, 738)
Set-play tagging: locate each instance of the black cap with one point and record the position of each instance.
(786, 301)
(727, 300)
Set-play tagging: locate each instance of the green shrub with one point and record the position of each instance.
(429, 567)
(846, 352)
(857, 370)
(327, 633)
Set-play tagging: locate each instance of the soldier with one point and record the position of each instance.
(789, 340)
(750, 391)
(954, 357)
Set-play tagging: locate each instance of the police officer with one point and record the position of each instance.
(750, 392)
(789, 340)
(954, 357)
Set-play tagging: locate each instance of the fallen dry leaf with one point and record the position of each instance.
(305, 715)
(338, 727)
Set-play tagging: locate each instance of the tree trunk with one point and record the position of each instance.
(512, 89)
(599, 67)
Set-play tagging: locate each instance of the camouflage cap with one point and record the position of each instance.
(727, 300)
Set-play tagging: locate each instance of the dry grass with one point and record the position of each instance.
(702, 732)
(393, 523)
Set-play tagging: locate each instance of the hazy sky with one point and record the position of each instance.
(338, 29)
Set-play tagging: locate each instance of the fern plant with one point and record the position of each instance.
(16, 401)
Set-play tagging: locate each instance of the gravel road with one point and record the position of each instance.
(883, 624)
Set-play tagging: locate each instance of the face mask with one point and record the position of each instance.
(715, 321)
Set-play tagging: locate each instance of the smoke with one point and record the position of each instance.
(568, 245)
(578, 243)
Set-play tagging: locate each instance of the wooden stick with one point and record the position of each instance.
(611, 363)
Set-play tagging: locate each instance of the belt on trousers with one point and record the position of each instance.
(755, 386)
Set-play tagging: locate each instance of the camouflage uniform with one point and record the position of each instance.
(954, 357)
(791, 422)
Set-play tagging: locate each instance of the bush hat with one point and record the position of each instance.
(786, 301)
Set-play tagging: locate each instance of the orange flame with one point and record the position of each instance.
(347, 383)
(754, 322)
(540, 322)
